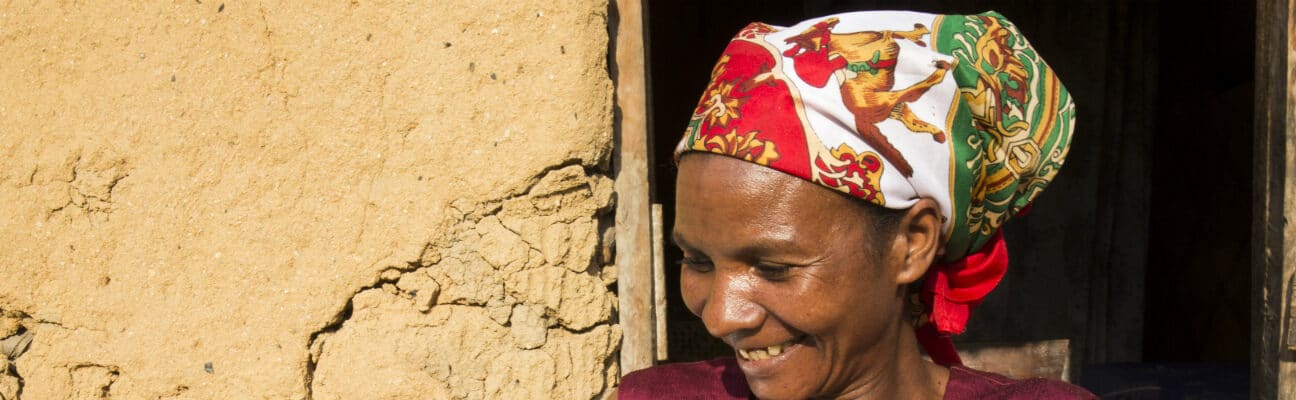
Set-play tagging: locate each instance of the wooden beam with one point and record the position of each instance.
(633, 213)
(659, 283)
(1287, 69)
(1037, 359)
(1274, 200)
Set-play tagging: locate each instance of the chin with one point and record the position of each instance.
(777, 389)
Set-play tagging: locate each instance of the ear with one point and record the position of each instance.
(918, 241)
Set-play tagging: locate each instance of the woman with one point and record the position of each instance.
(841, 188)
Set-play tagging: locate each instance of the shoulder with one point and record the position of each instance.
(967, 383)
(712, 379)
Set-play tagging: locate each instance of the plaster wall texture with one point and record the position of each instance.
(288, 200)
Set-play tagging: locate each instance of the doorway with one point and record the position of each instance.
(1139, 252)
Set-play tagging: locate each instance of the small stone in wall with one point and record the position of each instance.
(467, 283)
(8, 326)
(561, 180)
(529, 326)
(583, 242)
(500, 310)
(555, 243)
(16, 345)
(421, 286)
(8, 386)
(499, 246)
(390, 274)
(92, 381)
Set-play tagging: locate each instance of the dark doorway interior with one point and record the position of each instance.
(1139, 252)
(1199, 255)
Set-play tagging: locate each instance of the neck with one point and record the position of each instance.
(906, 376)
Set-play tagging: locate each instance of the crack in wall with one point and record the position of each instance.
(560, 194)
(15, 339)
(91, 181)
(314, 346)
(11, 380)
(91, 380)
(11, 390)
(17, 335)
(211, 162)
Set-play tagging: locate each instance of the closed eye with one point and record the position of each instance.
(773, 272)
(697, 264)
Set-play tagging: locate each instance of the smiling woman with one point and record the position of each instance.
(841, 187)
(808, 296)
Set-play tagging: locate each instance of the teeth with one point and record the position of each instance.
(761, 354)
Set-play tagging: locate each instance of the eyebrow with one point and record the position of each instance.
(766, 246)
(759, 246)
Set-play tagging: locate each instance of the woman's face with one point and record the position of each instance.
(781, 270)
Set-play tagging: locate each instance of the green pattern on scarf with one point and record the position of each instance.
(1019, 141)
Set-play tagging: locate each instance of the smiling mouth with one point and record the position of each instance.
(761, 353)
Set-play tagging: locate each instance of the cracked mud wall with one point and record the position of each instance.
(205, 199)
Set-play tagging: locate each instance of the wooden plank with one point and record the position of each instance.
(1287, 359)
(659, 283)
(1272, 239)
(633, 215)
(1039, 359)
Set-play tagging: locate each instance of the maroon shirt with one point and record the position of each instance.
(720, 379)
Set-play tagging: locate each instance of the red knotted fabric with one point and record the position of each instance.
(952, 289)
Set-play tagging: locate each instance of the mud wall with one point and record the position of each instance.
(205, 199)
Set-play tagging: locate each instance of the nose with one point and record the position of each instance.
(730, 309)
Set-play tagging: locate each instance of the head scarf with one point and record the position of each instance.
(891, 107)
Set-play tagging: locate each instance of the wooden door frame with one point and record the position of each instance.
(1273, 363)
(637, 237)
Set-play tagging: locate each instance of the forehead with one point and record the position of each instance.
(719, 197)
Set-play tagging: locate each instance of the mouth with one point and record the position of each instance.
(761, 353)
(762, 361)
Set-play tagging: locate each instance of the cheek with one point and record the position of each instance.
(862, 312)
(695, 289)
(810, 313)
(821, 306)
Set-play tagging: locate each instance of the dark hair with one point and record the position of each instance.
(883, 224)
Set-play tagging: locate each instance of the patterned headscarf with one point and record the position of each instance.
(891, 107)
